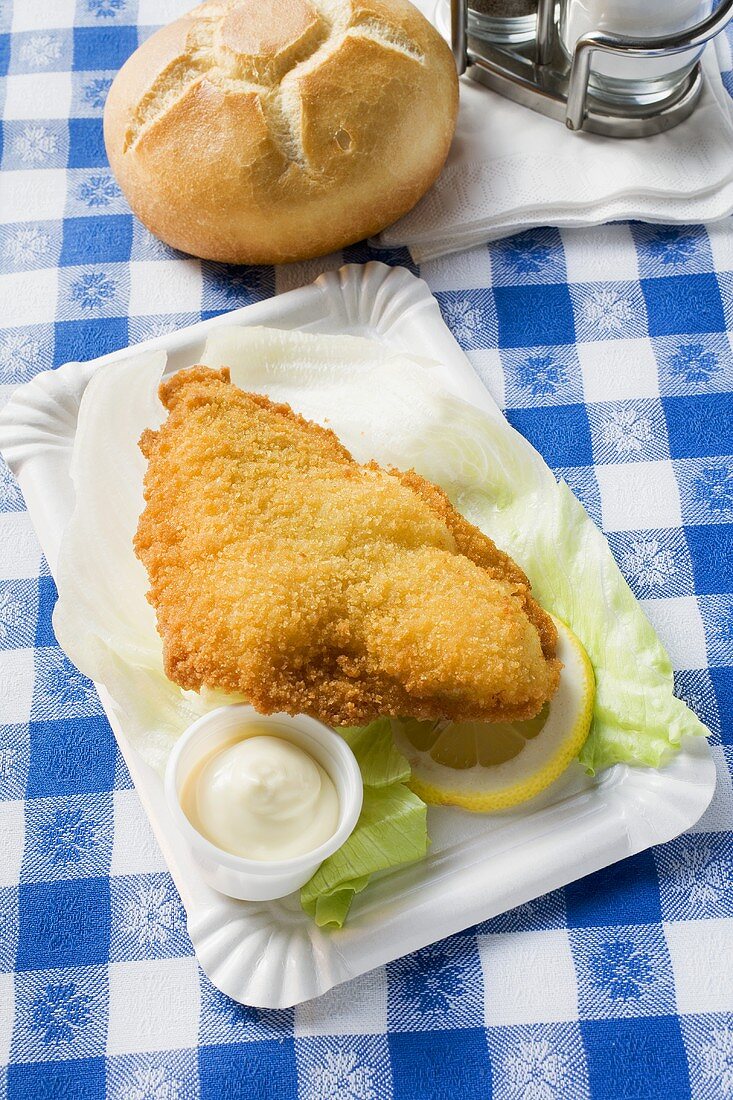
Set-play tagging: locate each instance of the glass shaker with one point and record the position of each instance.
(511, 22)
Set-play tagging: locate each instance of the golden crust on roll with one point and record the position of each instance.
(266, 131)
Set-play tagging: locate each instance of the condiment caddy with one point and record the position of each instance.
(615, 82)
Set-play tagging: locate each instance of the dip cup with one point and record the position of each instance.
(254, 879)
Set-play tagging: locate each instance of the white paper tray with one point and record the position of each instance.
(270, 954)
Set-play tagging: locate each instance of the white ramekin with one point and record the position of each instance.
(253, 879)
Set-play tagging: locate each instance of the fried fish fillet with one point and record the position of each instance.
(283, 570)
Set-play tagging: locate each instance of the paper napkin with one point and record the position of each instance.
(511, 169)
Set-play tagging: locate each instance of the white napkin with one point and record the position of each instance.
(511, 169)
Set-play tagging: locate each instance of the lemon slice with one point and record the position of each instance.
(484, 766)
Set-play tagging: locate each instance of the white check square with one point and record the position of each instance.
(20, 553)
(701, 952)
(37, 95)
(12, 836)
(718, 818)
(358, 1007)
(678, 623)
(153, 1005)
(165, 286)
(135, 850)
(600, 254)
(28, 15)
(460, 271)
(16, 685)
(618, 370)
(35, 195)
(152, 13)
(28, 297)
(488, 366)
(529, 977)
(638, 496)
(292, 276)
(7, 1015)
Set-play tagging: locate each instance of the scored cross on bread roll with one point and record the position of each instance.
(264, 131)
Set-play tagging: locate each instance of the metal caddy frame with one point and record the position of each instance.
(540, 76)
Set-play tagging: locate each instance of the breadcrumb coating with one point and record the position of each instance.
(283, 570)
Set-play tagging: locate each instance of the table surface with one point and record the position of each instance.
(610, 349)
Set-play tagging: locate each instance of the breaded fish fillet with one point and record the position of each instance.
(282, 569)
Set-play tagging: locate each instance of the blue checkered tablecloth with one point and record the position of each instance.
(610, 349)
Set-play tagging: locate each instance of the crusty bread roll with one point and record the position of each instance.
(264, 131)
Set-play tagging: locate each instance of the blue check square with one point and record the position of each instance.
(29, 246)
(67, 838)
(537, 1060)
(35, 144)
(706, 489)
(608, 311)
(708, 1040)
(60, 1014)
(5, 48)
(41, 51)
(625, 893)
(695, 872)
(18, 612)
(696, 688)
(440, 986)
(91, 240)
(82, 1079)
(23, 353)
(77, 341)
(248, 1071)
(63, 924)
(58, 746)
(544, 912)
(683, 304)
(14, 761)
(153, 1075)
(560, 433)
(533, 257)
(9, 920)
(534, 316)
(471, 317)
(224, 1020)
(628, 431)
(86, 143)
(623, 970)
(60, 691)
(227, 286)
(103, 47)
(93, 191)
(711, 550)
(541, 376)
(636, 1059)
(439, 1064)
(47, 596)
(353, 1066)
(654, 563)
(671, 249)
(699, 425)
(700, 363)
(717, 618)
(105, 13)
(148, 919)
(90, 91)
(722, 681)
(583, 483)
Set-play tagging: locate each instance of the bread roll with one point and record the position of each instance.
(264, 131)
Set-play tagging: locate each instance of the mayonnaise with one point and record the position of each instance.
(261, 797)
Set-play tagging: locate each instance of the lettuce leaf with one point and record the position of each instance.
(392, 828)
(500, 483)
